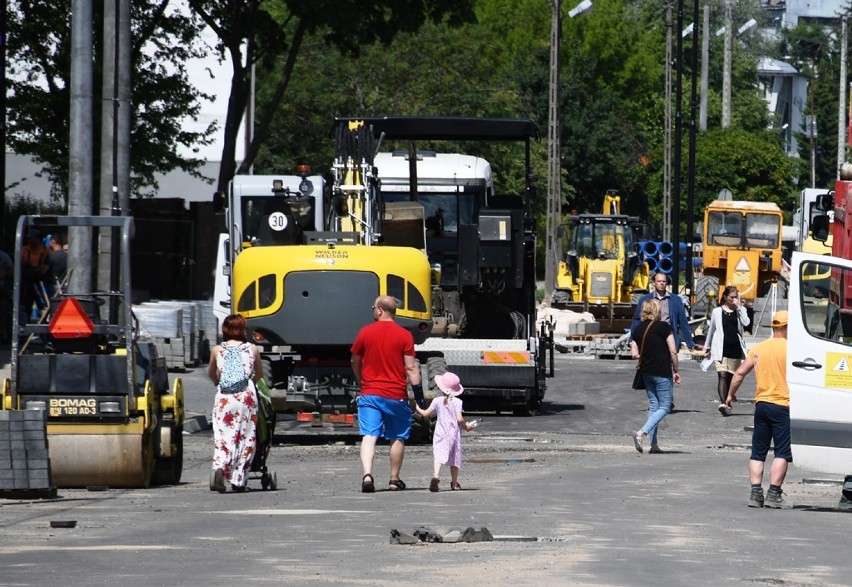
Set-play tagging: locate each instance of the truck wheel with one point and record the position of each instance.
(706, 295)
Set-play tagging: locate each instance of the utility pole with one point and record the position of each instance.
(705, 59)
(81, 156)
(115, 129)
(841, 117)
(678, 143)
(726, 65)
(553, 249)
(667, 132)
(3, 120)
(693, 131)
(554, 156)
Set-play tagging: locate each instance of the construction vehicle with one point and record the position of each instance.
(602, 272)
(741, 247)
(465, 286)
(111, 418)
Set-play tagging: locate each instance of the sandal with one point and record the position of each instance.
(368, 486)
(396, 485)
(455, 486)
(433, 485)
(637, 440)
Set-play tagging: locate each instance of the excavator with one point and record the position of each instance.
(425, 228)
(602, 272)
(111, 418)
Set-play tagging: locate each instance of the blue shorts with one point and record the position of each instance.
(771, 422)
(384, 418)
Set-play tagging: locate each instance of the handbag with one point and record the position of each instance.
(638, 380)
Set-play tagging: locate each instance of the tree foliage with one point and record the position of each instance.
(38, 114)
(267, 32)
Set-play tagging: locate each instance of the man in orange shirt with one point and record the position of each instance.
(771, 412)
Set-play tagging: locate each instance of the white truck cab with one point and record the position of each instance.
(819, 364)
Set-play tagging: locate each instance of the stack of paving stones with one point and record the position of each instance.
(208, 334)
(24, 460)
(164, 325)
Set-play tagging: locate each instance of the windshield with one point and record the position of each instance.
(601, 240)
(262, 214)
(762, 230)
(735, 229)
(443, 211)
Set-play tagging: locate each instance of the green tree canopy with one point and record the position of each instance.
(38, 112)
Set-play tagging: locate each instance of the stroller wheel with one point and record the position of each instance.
(271, 481)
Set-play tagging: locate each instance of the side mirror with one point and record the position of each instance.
(825, 202)
(820, 227)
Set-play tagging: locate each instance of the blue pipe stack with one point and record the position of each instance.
(659, 256)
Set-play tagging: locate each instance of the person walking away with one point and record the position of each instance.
(446, 439)
(235, 366)
(55, 265)
(33, 254)
(725, 342)
(672, 312)
(658, 365)
(382, 357)
(768, 359)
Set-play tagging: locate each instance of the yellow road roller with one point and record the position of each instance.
(112, 419)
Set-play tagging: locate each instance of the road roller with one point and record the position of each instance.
(112, 418)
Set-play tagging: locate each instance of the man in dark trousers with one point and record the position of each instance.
(382, 357)
(673, 311)
(768, 359)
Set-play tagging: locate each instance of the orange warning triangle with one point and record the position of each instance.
(71, 321)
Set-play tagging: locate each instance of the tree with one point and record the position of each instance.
(752, 165)
(163, 41)
(259, 32)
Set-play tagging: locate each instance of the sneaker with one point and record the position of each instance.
(724, 410)
(756, 498)
(776, 501)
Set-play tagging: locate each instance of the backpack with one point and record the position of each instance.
(234, 378)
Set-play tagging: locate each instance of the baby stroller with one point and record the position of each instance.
(265, 430)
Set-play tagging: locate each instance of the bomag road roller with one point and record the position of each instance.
(111, 418)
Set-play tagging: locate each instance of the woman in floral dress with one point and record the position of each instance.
(234, 412)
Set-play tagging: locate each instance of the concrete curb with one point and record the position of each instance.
(195, 423)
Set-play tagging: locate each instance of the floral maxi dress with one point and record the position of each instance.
(234, 424)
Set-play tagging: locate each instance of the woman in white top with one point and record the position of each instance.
(725, 343)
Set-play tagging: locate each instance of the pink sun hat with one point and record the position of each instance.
(449, 383)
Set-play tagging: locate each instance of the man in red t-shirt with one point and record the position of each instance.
(382, 357)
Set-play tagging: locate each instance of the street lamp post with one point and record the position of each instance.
(554, 152)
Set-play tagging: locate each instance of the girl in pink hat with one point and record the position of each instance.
(446, 440)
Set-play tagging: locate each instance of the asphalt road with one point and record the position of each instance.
(566, 495)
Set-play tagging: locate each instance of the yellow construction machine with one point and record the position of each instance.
(742, 247)
(111, 418)
(602, 272)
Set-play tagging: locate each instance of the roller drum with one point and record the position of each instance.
(114, 460)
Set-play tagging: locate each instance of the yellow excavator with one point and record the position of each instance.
(602, 272)
(111, 418)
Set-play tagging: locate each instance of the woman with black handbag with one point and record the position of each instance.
(652, 344)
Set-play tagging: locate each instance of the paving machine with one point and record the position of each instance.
(111, 418)
(307, 288)
(602, 272)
